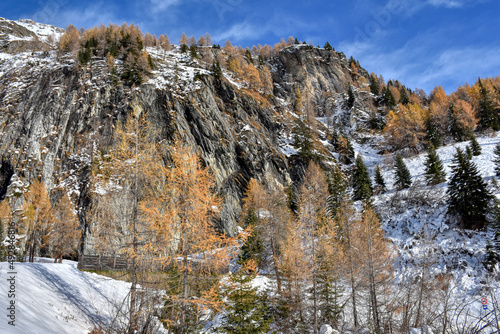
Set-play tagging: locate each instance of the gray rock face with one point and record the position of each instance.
(15, 37)
(53, 113)
(321, 75)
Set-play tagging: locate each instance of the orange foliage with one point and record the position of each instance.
(405, 126)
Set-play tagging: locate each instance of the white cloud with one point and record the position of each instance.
(89, 17)
(239, 32)
(462, 65)
(446, 3)
(454, 3)
(162, 5)
(419, 64)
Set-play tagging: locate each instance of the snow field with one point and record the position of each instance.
(58, 298)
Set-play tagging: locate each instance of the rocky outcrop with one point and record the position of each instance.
(323, 76)
(50, 126)
(26, 36)
(53, 113)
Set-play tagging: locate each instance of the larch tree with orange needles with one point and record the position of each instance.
(38, 216)
(64, 234)
(272, 212)
(347, 225)
(183, 214)
(313, 196)
(118, 176)
(405, 127)
(376, 260)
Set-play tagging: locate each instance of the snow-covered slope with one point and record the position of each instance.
(409, 214)
(58, 298)
(28, 30)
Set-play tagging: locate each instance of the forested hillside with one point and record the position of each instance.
(261, 189)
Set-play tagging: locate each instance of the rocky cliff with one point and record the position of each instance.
(54, 111)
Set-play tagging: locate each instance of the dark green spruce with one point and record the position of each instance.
(248, 310)
(337, 189)
(253, 248)
(474, 145)
(380, 186)
(402, 174)
(434, 170)
(361, 182)
(468, 196)
(496, 159)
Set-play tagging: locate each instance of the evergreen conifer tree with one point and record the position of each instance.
(216, 70)
(496, 160)
(468, 196)
(404, 96)
(253, 248)
(302, 139)
(337, 187)
(379, 181)
(434, 170)
(330, 292)
(361, 183)
(468, 152)
(350, 97)
(432, 136)
(388, 98)
(474, 145)
(403, 176)
(328, 46)
(487, 112)
(193, 52)
(248, 309)
(374, 85)
(493, 246)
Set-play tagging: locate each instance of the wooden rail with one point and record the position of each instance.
(101, 262)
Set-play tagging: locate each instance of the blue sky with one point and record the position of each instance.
(423, 43)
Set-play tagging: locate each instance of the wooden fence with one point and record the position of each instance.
(100, 262)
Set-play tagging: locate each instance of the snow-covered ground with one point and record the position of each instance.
(57, 298)
(416, 221)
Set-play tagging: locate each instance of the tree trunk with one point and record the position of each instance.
(315, 293)
(353, 281)
(353, 296)
(133, 286)
(275, 263)
(184, 294)
(32, 248)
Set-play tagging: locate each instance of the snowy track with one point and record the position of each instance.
(58, 298)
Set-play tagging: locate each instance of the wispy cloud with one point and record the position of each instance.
(241, 31)
(454, 3)
(277, 26)
(420, 64)
(446, 3)
(63, 15)
(162, 5)
(460, 65)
